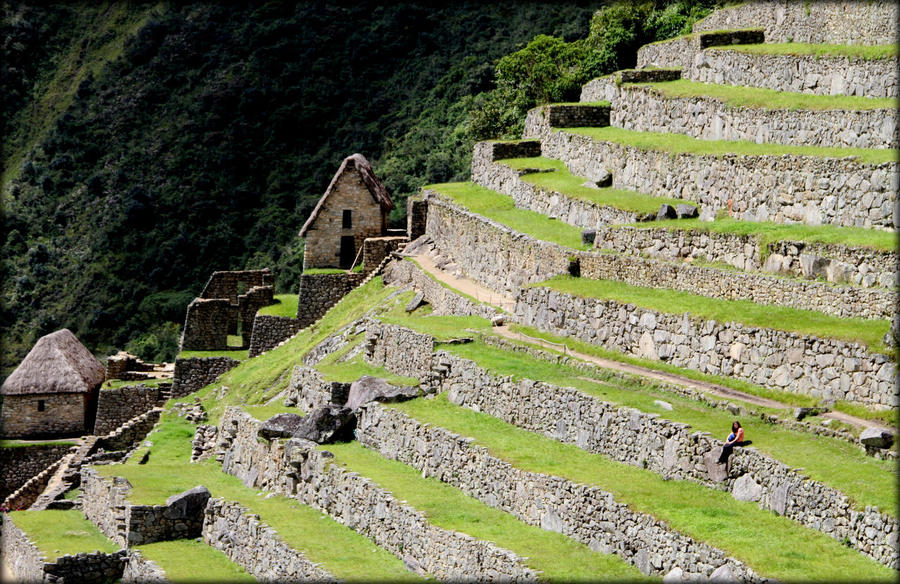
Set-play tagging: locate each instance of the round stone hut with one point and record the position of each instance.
(53, 392)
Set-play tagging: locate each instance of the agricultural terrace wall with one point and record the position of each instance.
(139, 570)
(269, 331)
(319, 292)
(296, 468)
(809, 189)
(309, 391)
(813, 74)
(668, 448)
(256, 547)
(441, 299)
(825, 368)
(28, 565)
(841, 22)
(523, 260)
(862, 266)
(398, 349)
(196, 372)
(584, 513)
(117, 406)
(375, 249)
(647, 109)
(507, 180)
(20, 463)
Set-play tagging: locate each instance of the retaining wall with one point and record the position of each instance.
(836, 263)
(584, 513)
(297, 469)
(18, 465)
(504, 179)
(398, 349)
(269, 331)
(840, 22)
(825, 368)
(319, 292)
(784, 189)
(195, 373)
(648, 109)
(117, 406)
(255, 546)
(139, 570)
(309, 391)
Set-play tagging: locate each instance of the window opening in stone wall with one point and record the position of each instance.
(40, 405)
(347, 219)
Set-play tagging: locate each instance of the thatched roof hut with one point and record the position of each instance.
(58, 363)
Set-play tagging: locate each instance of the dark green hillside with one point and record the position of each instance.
(147, 145)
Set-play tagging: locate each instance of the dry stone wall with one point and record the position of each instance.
(117, 406)
(139, 570)
(584, 513)
(296, 468)
(784, 189)
(507, 180)
(375, 249)
(255, 546)
(825, 368)
(861, 266)
(416, 212)
(398, 349)
(192, 374)
(268, 331)
(205, 327)
(319, 292)
(648, 109)
(61, 414)
(441, 299)
(18, 465)
(841, 22)
(21, 555)
(309, 391)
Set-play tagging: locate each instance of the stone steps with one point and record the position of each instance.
(784, 188)
(648, 108)
(812, 74)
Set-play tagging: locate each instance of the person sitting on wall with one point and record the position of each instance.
(736, 438)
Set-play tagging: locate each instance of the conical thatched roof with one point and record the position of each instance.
(58, 363)
(362, 166)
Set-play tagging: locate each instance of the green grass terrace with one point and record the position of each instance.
(864, 52)
(773, 546)
(681, 144)
(561, 180)
(869, 332)
(58, 533)
(769, 99)
(285, 305)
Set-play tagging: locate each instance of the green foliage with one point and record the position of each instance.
(157, 345)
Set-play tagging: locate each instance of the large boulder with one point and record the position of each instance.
(187, 505)
(876, 438)
(280, 426)
(717, 471)
(327, 424)
(746, 489)
(368, 388)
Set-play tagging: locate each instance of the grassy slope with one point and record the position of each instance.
(808, 322)
(168, 471)
(563, 181)
(58, 533)
(557, 556)
(500, 208)
(768, 232)
(681, 144)
(285, 305)
(834, 462)
(755, 97)
(773, 546)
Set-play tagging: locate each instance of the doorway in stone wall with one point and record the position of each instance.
(348, 252)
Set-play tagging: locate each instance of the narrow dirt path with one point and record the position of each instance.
(506, 302)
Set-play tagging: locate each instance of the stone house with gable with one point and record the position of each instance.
(354, 208)
(53, 391)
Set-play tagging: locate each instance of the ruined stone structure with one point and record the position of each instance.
(227, 306)
(53, 391)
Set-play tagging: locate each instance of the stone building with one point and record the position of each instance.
(353, 209)
(53, 391)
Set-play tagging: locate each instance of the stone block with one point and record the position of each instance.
(876, 438)
(746, 489)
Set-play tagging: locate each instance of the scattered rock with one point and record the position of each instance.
(876, 438)
(722, 574)
(327, 424)
(733, 409)
(683, 211)
(190, 503)
(663, 404)
(675, 576)
(746, 489)
(368, 388)
(588, 236)
(707, 214)
(415, 302)
(666, 212)
(280, 426)
(800, 413)
(604, 179)
(498, 320)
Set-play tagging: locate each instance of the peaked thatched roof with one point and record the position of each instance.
(362, 166)
(58, 363)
